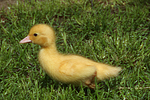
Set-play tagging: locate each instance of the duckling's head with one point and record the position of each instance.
(40, 34)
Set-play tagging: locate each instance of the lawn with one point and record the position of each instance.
(116, 32)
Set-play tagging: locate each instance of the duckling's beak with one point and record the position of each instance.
(26, 40)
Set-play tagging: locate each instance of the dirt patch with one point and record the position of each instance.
(6, 3)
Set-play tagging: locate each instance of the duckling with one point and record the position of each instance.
(68, 69)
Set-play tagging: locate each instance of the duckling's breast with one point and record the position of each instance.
(49, 62)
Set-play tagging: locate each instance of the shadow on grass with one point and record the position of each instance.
(140, 3)
(102, 86)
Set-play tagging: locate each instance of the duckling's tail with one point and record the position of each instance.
(105, 71)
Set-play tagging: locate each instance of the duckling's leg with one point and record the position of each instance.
(91, 83)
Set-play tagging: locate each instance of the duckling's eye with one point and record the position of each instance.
(35, 34)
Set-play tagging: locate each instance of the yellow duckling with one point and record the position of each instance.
(72, 69)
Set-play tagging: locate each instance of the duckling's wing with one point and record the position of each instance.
(73, 68)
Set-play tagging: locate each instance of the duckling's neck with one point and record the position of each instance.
(48, 56)
(51, 50)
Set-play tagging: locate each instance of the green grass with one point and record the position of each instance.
(115, 33)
